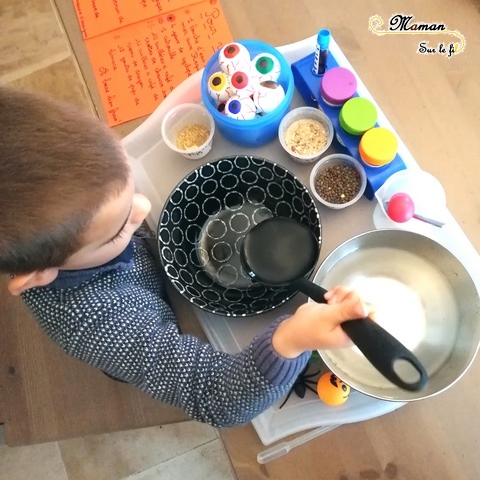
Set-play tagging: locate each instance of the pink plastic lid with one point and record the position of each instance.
(338, 85)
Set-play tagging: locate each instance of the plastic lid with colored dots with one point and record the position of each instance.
(338, 85)
(357, 116)
(378, 146)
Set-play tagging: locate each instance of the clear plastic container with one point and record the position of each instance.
(338, 159)
(262, 129)
(183, 116)
(227, 333)
(305, 113)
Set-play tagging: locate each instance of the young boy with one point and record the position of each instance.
(68, 211)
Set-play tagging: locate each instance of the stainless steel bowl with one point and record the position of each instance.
(424, 297)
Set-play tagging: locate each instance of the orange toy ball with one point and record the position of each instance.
(332, 390)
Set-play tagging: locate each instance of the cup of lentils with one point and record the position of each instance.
(338, 180)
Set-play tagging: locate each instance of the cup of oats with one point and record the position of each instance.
(305, 133)
(188, 129)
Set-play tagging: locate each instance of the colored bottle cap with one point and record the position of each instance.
(323, 38)
(378, 146)
(357, 116)
(337, 86)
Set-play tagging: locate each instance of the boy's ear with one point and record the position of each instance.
(24, 281)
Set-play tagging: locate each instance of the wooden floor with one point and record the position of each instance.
(434, 105)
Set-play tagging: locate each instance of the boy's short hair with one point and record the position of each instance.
(58, 166)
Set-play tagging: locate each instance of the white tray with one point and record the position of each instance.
(158, 170)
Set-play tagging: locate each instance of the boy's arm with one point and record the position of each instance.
(120, 323)
(318, 326)
(136, 339)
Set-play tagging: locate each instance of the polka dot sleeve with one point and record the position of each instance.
(118, 321)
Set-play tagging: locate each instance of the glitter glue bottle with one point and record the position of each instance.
(321, 52)
(337, 86)
(378, 147)
(357, 116)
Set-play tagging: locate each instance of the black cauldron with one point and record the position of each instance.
(205, 220)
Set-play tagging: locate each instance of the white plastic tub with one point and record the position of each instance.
(158, 169)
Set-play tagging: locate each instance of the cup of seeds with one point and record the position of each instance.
(338, 180)
(305, 133)
(188, 129)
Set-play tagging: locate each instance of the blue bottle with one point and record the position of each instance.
(321, 52)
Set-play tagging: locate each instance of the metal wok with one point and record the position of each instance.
(424, 297)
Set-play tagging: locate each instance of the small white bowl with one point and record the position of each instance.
(305, 113)
(332, 160)
(426, 192)
(182, 116)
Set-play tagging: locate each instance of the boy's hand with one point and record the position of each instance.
(316, 326)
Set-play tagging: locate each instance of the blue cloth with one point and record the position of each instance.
(115, 317)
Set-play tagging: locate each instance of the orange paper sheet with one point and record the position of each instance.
(139, 64)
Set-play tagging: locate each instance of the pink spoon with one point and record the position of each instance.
(401, 208)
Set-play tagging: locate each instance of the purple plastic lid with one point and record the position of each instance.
(338, 85)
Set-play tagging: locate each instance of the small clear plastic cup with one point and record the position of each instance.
(305, 113)
(188, 119)
(331, 161)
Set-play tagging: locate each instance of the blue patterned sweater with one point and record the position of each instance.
(115, 318)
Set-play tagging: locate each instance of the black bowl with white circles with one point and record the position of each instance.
(205, 219)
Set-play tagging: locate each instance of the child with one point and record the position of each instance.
(68, 211)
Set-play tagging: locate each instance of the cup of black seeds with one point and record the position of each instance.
(338, 180)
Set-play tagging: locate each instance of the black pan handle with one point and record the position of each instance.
(380, 348)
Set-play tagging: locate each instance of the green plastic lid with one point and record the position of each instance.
(357, 116)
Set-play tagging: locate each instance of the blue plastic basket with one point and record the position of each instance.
(260, 130)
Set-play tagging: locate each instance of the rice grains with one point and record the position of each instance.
(192, 137)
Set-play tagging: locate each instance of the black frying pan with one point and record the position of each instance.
(281, 251)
